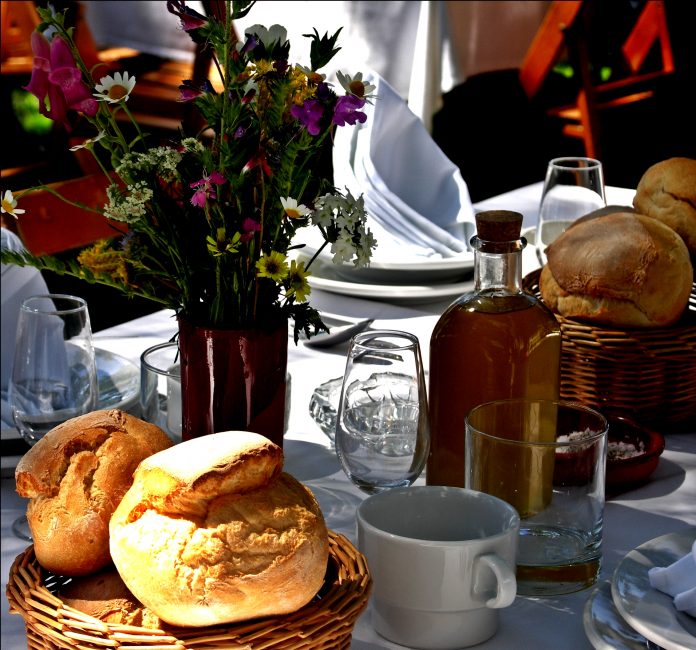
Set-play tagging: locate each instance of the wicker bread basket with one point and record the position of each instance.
(649, 374)
(326, 622)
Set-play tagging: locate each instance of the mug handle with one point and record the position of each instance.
(506, 583)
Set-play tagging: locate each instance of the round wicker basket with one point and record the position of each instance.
(649, 374)
(325, 622)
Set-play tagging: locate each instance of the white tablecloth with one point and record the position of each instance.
(664, 505)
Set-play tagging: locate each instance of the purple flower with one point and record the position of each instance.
(190, 19)
(250, 43)
(346, 110)
(189, 91)
(309, 115)
(205, 189)
(56, 76)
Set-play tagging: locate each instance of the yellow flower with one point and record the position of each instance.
(292, 209)
(9, 204)
(272, 266)
(102, 260)
(298, 285)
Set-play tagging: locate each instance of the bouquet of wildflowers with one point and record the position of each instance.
(211, 219)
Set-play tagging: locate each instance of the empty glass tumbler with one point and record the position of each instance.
(382, 432)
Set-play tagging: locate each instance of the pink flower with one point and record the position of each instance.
(205, 189)
(56, 76)
(250, 226)
(190, 18)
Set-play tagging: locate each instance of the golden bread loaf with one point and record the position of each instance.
(213, 531)
(104, 595)
(75, 477)
(622, 269)
(667, 192)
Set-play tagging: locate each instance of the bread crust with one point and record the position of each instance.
(618, 269)
(104, 595)
(75, 476)
(667, 192)
(233, 539)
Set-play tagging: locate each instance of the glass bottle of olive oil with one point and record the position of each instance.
(494, 343)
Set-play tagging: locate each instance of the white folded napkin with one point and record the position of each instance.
(679, 581)
(411, 189)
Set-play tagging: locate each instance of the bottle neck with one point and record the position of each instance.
(498, 265)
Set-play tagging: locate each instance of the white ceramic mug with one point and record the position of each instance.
(442, 561)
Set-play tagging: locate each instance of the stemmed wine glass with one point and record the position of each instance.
(573, 187)
(54, 375)
(382, 432)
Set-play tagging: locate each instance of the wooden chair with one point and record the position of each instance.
(565, 31)
(49, 225)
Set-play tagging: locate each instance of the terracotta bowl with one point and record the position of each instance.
(625, 473)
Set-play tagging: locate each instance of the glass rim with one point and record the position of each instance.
(575, 406)
(363, 338)
(157, 348)
(563, 162)
(80, 304)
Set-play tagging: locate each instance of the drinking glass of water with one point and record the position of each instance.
(54, 375)
(382, 432)
(573, 187)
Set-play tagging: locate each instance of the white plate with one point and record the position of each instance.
(647, 610)
(119, 381)
(446, 269)
(604, 627)
(119, 387)
(324, 277)
(402, 268)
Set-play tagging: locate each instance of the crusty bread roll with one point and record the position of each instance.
(667, 191)
(75, 477)
(104, 596)
(619, 269)
(213, 531)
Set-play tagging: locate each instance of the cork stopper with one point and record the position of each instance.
(498, 225)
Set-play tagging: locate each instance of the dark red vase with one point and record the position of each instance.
(233, 380)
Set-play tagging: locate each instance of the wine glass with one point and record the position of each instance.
(573, 187)
(54, 375)
(382, 432)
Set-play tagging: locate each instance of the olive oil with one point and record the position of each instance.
(495, 343)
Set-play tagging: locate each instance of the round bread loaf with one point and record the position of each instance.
(622, 269)
(105, 596)
(667, 191)
(75, 477)
(213, 531)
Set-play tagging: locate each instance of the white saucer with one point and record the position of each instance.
(604, 627)
(647, 610)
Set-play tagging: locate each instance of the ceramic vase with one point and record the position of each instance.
(233, 380)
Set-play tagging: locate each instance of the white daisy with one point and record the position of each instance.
(115, 89)
(9, 204)
(355, 85)
(88, 143)
(292, 209)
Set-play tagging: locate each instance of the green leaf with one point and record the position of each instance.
(323, 48)
(241, 8)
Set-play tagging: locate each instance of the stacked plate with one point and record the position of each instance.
(119, 387)
(626, 613)
(418, 204)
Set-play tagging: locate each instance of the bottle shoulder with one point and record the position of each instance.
(495, 300)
